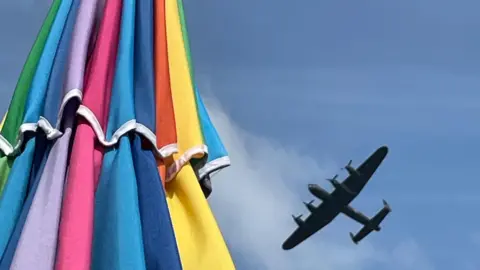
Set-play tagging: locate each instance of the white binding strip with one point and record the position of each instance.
(199, 151)
(51, 132)
(5, 146)
(54, 133)
(128, 126)
(43, 124)
(73, 93)
(164, 152)
(194, 152)
(213, 166)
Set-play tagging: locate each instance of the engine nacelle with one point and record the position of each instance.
(351, 170)
(319, 192)
(335, 183)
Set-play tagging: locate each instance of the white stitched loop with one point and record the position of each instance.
(53, 133)
(44, 125)
(128, 126)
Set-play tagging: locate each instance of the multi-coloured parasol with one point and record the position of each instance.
(107, 148)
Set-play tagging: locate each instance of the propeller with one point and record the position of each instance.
(348, 165)
(336, 184)
(309, 203)
(297, 217)
(332, 179)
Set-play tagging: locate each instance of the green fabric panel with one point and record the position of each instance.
(17, 104)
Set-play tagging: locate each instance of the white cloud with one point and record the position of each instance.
(253, 201)
(409, 256)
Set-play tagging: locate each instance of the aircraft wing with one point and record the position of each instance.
(356, 215)
(313, 223)
(366, 169)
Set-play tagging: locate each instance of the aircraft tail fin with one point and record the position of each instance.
(373, 225)
(353, 238)
(386, 206)
(381, 215)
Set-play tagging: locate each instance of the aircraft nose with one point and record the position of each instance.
(311, 186)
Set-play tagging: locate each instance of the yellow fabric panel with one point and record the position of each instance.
(189, 133)
(3, 121)
(200, 242)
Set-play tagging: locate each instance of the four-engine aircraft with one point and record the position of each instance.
(338, 202)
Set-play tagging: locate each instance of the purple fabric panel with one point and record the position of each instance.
(79, 48)
(37, 245)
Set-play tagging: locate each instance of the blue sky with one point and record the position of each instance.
(297, 88)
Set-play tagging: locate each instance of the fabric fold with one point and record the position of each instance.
(199, 240)
(165, 116)
(14, 117)
(36, 248)
(50, 124)
(16, 188)
(185, 110)
(74, 248)
(160, 246)
(117, 241)
(159, 241)
(37, 242)
(42, 149)
(217, 154)
(36, 96)
(17, 105)
(50, 109)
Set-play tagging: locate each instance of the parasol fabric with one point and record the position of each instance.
(3, 121)
(36, 248)
(117, 241)
(17, 105)
(50, 109)
(14, 117)
(115, 146)
(159, 241)
(217, 154)
(200, 242)
(15, 191)
(37, 243)
(22, 250)
(73, 88)
(39, 161)
(189, 134)
(166, 132)
(76, 226)
(77, 60)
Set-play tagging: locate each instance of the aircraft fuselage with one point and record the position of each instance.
(339, 197)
